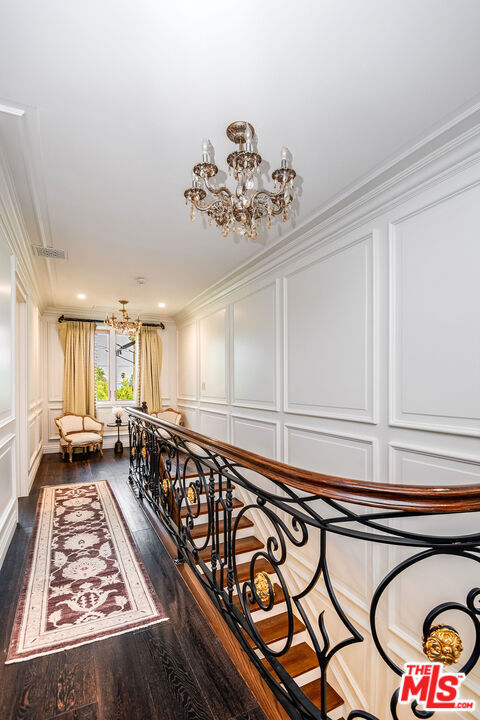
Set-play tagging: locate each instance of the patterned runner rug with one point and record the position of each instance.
(84, 580)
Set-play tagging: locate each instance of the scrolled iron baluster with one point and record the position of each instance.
(227, 525)
(211, 528)
(293, 517)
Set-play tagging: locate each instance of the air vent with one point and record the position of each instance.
(49, 252)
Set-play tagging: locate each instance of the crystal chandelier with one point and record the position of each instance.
(241, 210)
(124, 325)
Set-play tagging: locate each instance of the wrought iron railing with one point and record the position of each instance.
(184, 475)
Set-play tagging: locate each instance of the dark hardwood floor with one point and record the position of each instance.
(177, 669)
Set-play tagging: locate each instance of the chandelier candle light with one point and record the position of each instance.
(240, 211)
(124, 325)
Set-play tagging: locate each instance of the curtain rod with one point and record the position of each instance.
(62, 319)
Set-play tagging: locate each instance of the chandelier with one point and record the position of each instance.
(124, 325)
(241, 210)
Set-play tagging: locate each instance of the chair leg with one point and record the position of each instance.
(101, 449)
(70, 452)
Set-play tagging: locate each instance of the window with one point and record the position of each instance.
(114, 366)
(102, 364)
(124, 367)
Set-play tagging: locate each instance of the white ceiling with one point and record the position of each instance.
(118, 95)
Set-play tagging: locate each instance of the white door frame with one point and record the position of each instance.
(21, 387)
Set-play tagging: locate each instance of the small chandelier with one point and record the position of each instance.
(124, 325)
(241, 210)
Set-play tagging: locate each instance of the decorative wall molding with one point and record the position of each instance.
(364, 410)
(212, 364)
(208, 416)
(260, 423)
(196, 361)
(424, 418)
(274, 404)
(367, 443)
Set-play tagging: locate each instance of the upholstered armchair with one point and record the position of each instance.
(79, 431)
(170, 415)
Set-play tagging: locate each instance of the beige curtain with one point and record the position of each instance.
(149, 368)
(78, 343)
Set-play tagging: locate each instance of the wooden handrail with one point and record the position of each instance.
(414, 498)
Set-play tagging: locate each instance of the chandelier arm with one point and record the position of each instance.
(206, 208)
(217, 191)
(268, 193)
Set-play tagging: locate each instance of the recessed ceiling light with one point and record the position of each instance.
(161, 304)
(81, 296)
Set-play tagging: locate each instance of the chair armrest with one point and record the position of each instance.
(99, 423)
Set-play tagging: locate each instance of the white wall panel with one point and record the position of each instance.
(6, 334)
(190, 416)
(214, 424)
(7, 485)
(187, 362)
(212, 357)
(166, 339)
(54, 357)
(258, 436)
(8, 480)
(340, 456)
(329, 334)
(255, 349)
(435, 260)
(34, 379)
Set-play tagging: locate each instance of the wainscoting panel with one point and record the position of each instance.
(190, 415)
(54, 357)
(256, 349)
(341, 456)
(187, 362)
(258, 436)
(435, 296)
(214, 423)
(212, 330)
(329, 334)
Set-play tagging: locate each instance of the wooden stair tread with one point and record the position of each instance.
(298, 660)
(276, 628)
(279, 596)
(312, 691)
(243, 545)
(204, 507)
(243, 570)
(202, 530)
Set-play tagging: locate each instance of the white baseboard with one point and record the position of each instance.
(7, 528)
(34, 468)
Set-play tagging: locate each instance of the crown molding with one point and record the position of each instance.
(445, 151)
(14, 231)
(24, 145)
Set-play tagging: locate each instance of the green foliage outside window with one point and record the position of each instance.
(101, 383)
(125, 391)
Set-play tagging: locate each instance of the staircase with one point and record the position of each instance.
(300, 661)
